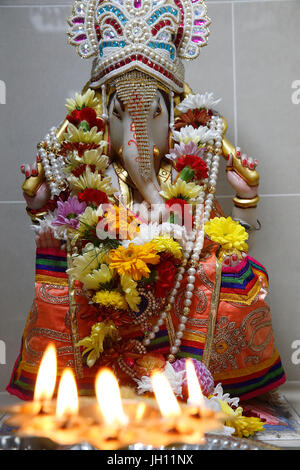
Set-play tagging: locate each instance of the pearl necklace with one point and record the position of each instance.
(194, 246)
(53, 163)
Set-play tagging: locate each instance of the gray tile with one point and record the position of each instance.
(40, 70)
(17, 281)
(213, 72)
(267, 62)
(275, 246)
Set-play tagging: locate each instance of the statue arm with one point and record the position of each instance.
(244, 178)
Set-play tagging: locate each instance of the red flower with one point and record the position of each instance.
(93, 196)
(79, 146)
(195, 163)
(165, 278)
(86, 114)
(177, 206)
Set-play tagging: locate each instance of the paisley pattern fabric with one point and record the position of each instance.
(244, 357)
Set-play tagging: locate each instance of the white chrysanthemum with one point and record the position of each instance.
(201, 135)
(198, 101)
(90, 157)
(87, 100)
(180, 189)
(80, 135)
(44, 224)
(90, 180)
(86, 263)
(175, 379)
(97, 277)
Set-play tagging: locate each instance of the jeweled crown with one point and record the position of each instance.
(149, 35)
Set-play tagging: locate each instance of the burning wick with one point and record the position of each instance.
(109, 399)
(166, 400)
(46, 378)
(67, 397)
(195, 393)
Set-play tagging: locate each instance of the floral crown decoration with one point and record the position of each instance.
(149, 35)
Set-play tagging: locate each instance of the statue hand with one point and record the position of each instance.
(232, 260)
(43, 193)
(240, 186)
(46, 239)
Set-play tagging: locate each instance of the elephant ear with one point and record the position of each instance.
(193, 31)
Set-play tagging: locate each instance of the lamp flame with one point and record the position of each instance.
(67, 396)
(46, 378)
(109, 398)
(167, 402)
(194, 389)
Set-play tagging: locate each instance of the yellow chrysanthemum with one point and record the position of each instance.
(134, 260)
(90, 157)
(90, 180)
(180, 189)
(168, 245)
(86, 263)
(88, 221)
(244, 426)
(80, 135)
(121, 223)
(98, 277)
(228, 233)
(87, 100)
(94, 343)
(131, 294)
(110, 299)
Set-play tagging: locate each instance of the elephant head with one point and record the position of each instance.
(139, 127)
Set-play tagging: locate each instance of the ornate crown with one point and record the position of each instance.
(148, 35)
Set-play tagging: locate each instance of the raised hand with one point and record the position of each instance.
(43, 193)
(240, 186)
(46, 239)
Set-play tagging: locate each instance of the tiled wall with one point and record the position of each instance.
(252, 62)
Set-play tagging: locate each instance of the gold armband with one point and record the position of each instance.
(36, 215)
(246, 203)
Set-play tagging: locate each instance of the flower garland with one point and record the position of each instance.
(117, 256)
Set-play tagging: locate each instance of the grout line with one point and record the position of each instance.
(219, 196)
(234, 81)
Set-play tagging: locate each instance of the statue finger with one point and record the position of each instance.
(22, 169)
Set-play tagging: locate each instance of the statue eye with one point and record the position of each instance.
(116, 113)
(157, 111)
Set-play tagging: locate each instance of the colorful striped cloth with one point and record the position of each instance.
(242, 283)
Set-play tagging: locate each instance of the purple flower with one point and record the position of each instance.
(68, 212)
(185, 149)
(204, 376)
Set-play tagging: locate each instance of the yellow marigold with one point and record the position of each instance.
(110, 299)
(134, 260)
(121, 223)
(228, 233)
(93, 344)
(168, 245)
(180, 189)
(244, 426)
(131, 294)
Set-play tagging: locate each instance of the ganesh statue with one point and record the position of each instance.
(137, 268)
